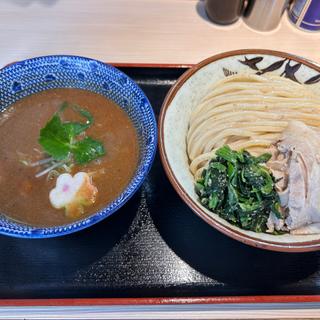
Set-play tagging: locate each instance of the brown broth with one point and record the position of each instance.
(25, 198)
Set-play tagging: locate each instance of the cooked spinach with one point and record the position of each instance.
(237, 187)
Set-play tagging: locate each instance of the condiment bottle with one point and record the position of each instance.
(305, 14)
(264, 15)
(224, 11)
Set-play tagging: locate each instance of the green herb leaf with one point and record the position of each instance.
(60, 139)
(76, 127)
(55, 138)
(87, 150)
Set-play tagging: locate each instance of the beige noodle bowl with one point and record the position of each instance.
(219, 101)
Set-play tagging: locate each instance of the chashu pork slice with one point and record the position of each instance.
(297, 195)
(301, 146)
(296, 161)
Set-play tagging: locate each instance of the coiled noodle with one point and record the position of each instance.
(247, 111)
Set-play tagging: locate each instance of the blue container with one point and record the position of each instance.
(305, 14)
(34, 75)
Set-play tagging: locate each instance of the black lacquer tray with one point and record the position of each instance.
(155, 246)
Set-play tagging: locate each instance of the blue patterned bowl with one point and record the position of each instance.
(33, 75)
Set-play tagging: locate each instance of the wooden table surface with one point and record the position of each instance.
(134, 31)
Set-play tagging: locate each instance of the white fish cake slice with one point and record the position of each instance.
(73, 193)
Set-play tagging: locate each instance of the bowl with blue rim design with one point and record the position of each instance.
(34, 75)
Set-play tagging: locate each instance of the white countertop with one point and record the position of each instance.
(134, 31)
